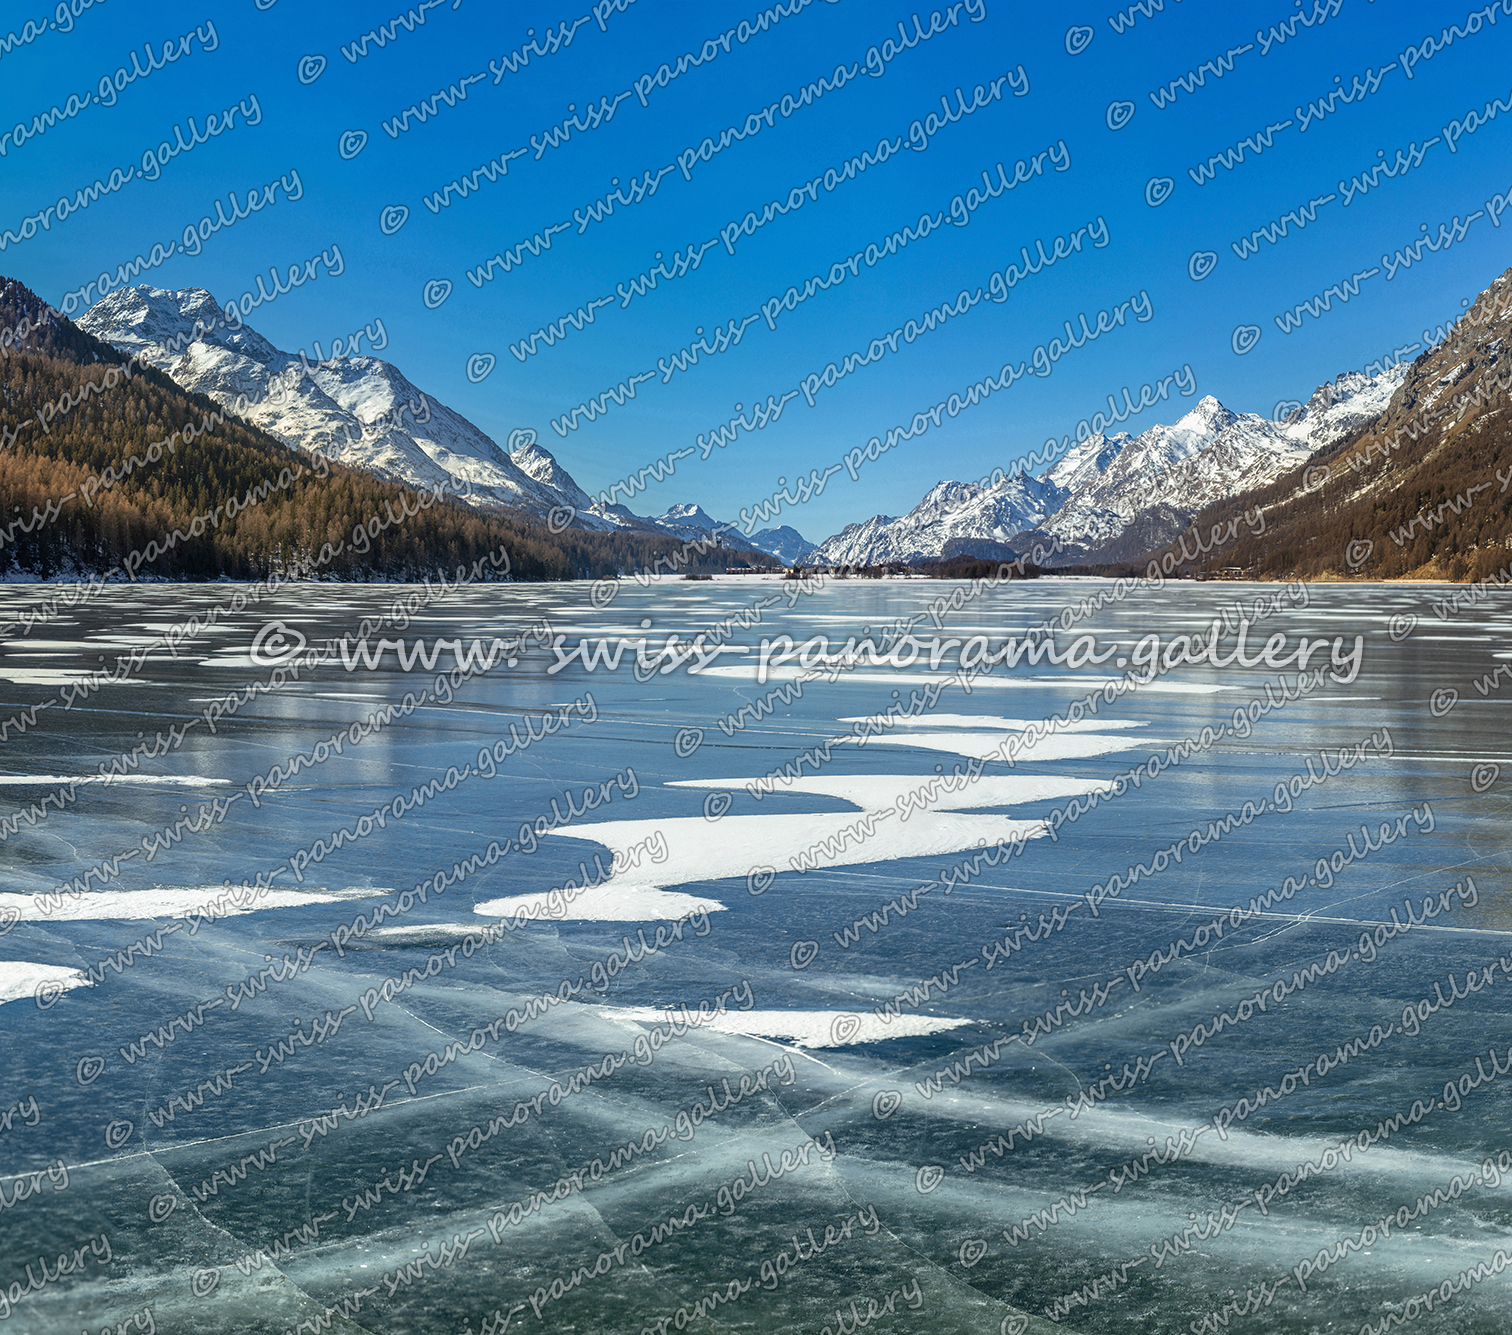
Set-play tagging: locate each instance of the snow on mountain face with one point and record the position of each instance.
(686, 516)
(785, 543)
(1082, 463)
(358, 410)
(1339, 406)
(1093, 494)
(1208, 454)
(692, 524)
(951, 511)
(536, 461)
(140, 321)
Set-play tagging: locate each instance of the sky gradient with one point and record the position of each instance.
(1100, 146)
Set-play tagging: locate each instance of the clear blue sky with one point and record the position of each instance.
(259, 53)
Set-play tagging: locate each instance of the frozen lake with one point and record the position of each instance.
(540, 997)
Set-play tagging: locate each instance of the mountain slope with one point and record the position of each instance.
(1202, 457)
(360, 411)
(1114, 496)
(357, 410)
(950, 513)
(692, 524)
(108, 467)
(783, 542)
(1417, 489)
(540, 464)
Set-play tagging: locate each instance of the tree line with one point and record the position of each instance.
(84, 490)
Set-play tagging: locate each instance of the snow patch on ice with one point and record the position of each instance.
(990, 721)
(992, 745)
(171, 901)
(808, 1029)
(882, 792)
(611, 902)
(19, 978)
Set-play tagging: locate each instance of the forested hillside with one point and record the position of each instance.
(1425, 489)
(107, 465)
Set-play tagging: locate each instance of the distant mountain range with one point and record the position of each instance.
(1419, 490)
(1113, 497)
(90, 489)
(691, 522)
(363, 412)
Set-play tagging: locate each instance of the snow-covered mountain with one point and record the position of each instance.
(952, 511)
(785, 543)
(357, 410)
(1339, 406)
(692, 524)
(1397, 497)
(362, 411)
(1206, 455)
(1146, 486)
(535, 461)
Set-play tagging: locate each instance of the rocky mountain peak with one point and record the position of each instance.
(691, 516)
(536, 461)
(1080, 463)
(357, 409)
(1147, 485)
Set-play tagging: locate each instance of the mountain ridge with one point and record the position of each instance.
(361, 411)
(1110, 498)
(1088, 504)
(110, 470)
(1421, 490)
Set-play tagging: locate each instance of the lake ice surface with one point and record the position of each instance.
(249, 1116)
